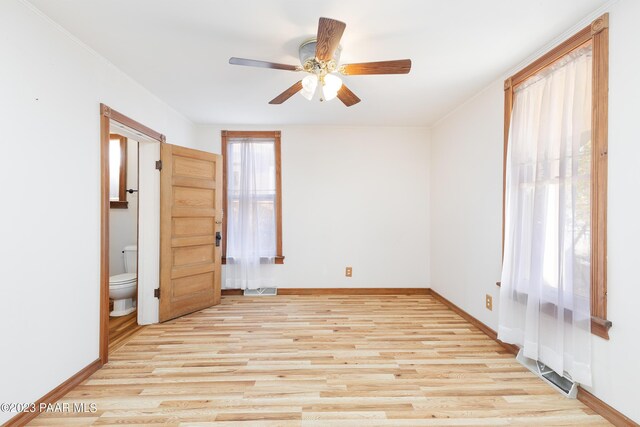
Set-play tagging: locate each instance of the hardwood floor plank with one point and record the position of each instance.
(121, 329)
(307, 360)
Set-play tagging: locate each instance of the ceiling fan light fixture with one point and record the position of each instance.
(331, 84)
(320, 58)
(309, 84)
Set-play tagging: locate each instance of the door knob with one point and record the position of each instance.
(218, 238)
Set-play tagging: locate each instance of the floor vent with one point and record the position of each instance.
(261, 292)
(564, 385)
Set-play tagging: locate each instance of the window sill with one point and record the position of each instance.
(118, 204)
(278, 260)
(599, 326)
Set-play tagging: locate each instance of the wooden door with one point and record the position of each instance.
(190, 227)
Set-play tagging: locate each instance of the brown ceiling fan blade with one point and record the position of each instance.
(401, 66)
(287, 93)
(328, 39)
(263, 64)
(347, 97)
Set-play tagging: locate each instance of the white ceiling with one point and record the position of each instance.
(179, 50)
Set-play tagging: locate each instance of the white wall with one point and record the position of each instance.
(50, 90)
(352, 196)
(466, 203)
(123, 223)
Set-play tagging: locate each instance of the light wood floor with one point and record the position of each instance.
(319, 360)
(121, 329)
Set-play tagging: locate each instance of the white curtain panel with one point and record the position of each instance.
(545, 293)
(251, 220)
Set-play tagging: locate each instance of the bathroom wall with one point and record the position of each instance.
(123, 223)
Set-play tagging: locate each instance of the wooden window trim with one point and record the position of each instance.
(596, 34)
(226, 134)
(122, 202)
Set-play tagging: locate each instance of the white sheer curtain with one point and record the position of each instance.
(251, 220)
(545, 293)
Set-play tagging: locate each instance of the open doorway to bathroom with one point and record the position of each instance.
(130, 228)
(123, 237)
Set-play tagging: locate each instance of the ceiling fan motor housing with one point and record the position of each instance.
(307, 54)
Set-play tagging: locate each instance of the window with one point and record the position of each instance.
(252, 196)
(589, 159)
(118, 172)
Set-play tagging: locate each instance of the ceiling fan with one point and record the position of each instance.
(320, 58)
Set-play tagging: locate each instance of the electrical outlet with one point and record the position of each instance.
(489, 302)
(348, 271)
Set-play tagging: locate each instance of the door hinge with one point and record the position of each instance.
(156, 293)
(159, 165)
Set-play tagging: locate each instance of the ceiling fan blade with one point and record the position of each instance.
(287, 93)
(347, 97)
(401, 66)
(263, 64)
(328, 39)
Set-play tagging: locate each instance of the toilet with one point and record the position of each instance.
(123, 287)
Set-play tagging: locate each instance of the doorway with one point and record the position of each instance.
(123, 236)
(130, 211)
(179, 226)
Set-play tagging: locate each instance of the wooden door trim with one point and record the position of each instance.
(106, 115)
(129, 122)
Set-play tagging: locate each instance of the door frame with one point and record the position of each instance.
(106, 115)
